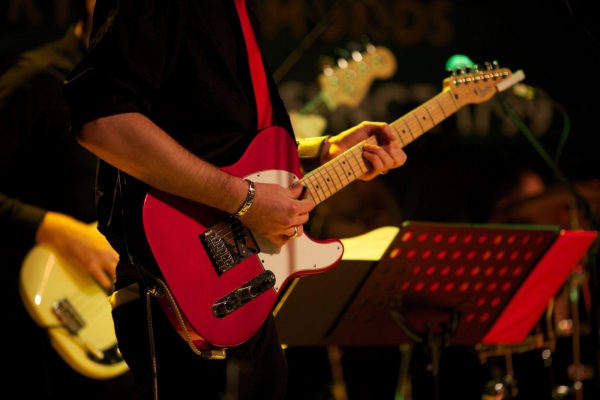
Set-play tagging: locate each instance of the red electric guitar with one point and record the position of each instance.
(221, 280)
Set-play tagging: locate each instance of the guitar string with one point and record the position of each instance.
(87, 305)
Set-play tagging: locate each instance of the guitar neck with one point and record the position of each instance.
(347, 167)
(321, 104)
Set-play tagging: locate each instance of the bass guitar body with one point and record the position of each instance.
(76, 312)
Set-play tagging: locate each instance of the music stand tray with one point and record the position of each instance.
(479, 283)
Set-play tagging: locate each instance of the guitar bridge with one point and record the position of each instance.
(228, 243)
(68, 316)
(73, 322)
(243, 294)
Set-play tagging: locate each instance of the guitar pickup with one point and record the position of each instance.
(228, 244)
(243, 294)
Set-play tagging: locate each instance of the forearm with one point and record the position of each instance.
(54, 229)
(19, 219)
(138, 147)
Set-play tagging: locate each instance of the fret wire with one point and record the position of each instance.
(360, 162)
(398, 134)
(409, 130)
(316, 194)
(418, 122)
(404, 136)
(428, 113)
(440, 107)
(448, 103)
(324, 184)
(423, 120)
(453, 99)
(417, 128)
(339, 177)
(329, 169)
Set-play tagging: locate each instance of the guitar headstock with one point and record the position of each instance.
(471, 85)
(349, 83)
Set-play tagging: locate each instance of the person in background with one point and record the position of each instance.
(169, 94)
(47, 198)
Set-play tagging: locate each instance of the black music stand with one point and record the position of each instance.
(439, 284)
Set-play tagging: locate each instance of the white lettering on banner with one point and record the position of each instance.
(402, 22)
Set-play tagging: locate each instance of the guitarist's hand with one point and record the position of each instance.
(81, 245)
(276, 210)
(386, 155)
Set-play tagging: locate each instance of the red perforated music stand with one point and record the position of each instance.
(488, 283)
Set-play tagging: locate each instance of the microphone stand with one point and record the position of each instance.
(592, 257)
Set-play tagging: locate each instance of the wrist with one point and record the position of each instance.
(51, 230)
(313, 152)
(248, 201)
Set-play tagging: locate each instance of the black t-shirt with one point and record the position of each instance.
(182, 64)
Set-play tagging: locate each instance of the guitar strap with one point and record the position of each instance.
(264, 108)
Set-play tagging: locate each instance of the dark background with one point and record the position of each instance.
(456, 171)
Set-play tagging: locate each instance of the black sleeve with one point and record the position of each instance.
(126, 63)
(18, 219)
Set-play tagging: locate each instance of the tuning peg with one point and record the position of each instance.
(342, 53)
(367, 44)
(342, 59)
(355, 50)
(488, 66)
(475, 68)
(451, 72)
(326, 64)
(354, 46)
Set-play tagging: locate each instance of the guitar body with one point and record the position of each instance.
(47, 281)
(173, 228)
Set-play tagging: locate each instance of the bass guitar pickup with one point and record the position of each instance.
(243, 294)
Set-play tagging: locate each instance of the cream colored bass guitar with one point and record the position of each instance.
(75, 311)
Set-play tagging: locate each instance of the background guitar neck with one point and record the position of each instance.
(350, 81)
